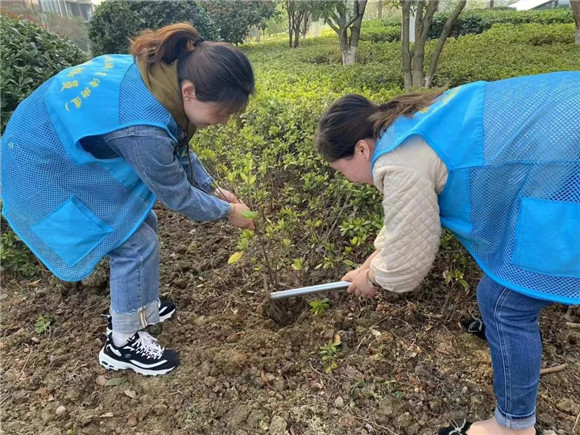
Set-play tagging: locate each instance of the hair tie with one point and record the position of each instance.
(199, 41)
(385, 106)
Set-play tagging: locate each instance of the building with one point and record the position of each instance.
(526, 5)
(71, 8)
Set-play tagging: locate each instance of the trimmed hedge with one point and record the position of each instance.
(469, 22)
(478, 21)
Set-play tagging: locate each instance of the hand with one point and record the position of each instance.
(236, 218)
(360, 286)
(350, 276)
(226, 195)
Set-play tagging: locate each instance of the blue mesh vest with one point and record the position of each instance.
(70, 208)
(512, 148)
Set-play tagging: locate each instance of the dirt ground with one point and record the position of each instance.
(403, 366)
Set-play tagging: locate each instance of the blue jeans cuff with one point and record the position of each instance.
(515, 422)
(129, 323)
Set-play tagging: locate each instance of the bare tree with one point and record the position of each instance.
(575, 4)
(414, 54)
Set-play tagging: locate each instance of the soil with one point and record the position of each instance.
(403, 366)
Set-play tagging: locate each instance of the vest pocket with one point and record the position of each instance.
(547, 237)
(72, 231)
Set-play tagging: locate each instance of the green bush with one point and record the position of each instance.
(15, 257)
(533, 33)
(314, 217)
(30, 55)
(114, 22)
(72, 28)
(478, 21)
(500, 53)
(380, 31)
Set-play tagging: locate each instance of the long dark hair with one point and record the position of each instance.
(220, 72)
(354, 117)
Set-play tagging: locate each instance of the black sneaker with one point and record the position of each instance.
(474, 326)
(141, 354)
(166, 310)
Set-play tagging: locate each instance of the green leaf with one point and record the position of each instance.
(249, 214)
(235, 257)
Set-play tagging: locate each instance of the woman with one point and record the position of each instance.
(498, 164)
(87, 154)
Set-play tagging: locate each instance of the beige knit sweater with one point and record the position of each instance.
(410, 178)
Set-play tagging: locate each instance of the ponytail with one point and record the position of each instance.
(354, 117)
(220, 72)
(386, 113)
(167, 44)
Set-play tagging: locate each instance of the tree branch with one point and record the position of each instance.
(444, 34)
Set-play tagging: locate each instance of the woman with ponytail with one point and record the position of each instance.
(86, 155)
(498, 164)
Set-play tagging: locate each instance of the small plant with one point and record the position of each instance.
(319, 306)
(15, 256)
(43, 324)
(244, 241)
(329, 354)
(455, 276)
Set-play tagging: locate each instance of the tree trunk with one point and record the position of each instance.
(575, 4)
(305, 24)
(344, 47)
(418, 53)
(491, 4)
(296, 35)
(444, 34)
(289, 8)
(407, 78)
(355, 34)
(380, 10)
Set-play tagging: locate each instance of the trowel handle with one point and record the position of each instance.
(309, 290)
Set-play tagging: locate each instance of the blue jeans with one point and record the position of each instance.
(135, 279)
(513, 332)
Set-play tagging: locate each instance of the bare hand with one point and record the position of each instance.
(360, 287)
(350, 276)
(236, 218)
(227, 196)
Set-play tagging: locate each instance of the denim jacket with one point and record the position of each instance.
(151, 152)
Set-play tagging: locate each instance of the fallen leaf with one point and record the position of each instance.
(33, 283)
(235, 257)
(101, 380)
(115, 381)
(375, 332)
(131, 394)
(107, 415)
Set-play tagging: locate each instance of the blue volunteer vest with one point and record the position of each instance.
(70, 208)
(512, 148)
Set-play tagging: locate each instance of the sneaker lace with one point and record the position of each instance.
(147, 346)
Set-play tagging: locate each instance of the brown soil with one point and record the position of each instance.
(404, 366)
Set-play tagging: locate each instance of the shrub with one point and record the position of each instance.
(30, 56)
(72, 28)
(478, 21)
(311, 212)
(380, 31)
(15, 257)
(114, 22)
